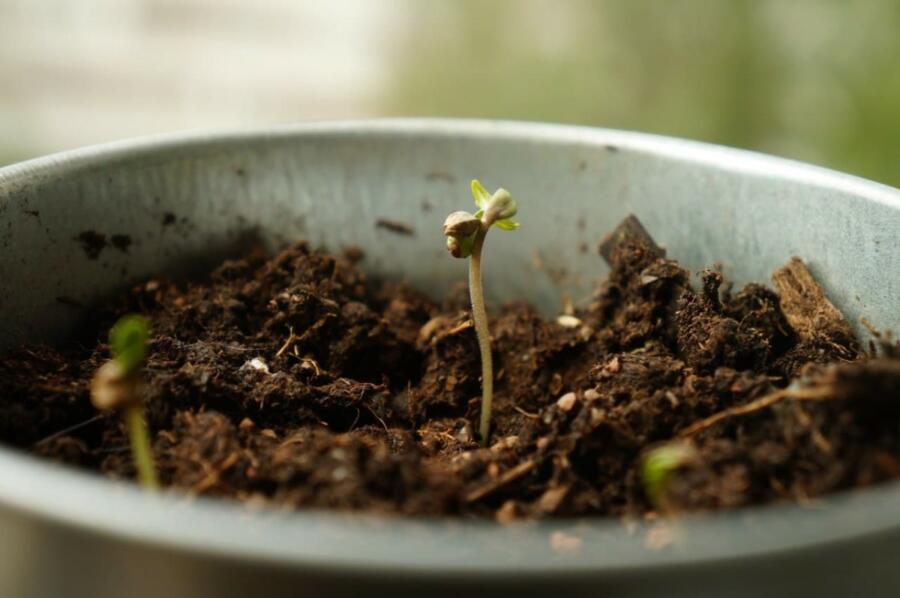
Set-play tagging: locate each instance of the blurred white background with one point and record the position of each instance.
(77, 72)
(816, 80)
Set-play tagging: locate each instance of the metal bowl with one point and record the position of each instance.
(185, 201)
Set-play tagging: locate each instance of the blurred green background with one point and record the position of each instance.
(815, 80)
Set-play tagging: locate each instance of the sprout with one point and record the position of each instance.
(658, 466)
(115, 386)
(461, 224)
(465, 238)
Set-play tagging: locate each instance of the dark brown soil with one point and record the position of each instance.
(296, 381)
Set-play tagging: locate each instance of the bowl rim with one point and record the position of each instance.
(371, 544)
(687, 150)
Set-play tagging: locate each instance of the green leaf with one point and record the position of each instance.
(479, 214)
(659, 465)
(466, 244)
(502, 204)
(128, 341)
(507, 224)
(480, 194)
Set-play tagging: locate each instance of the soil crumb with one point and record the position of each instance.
(295, 380)
(121, 242)
(92, 243)
(395, 226)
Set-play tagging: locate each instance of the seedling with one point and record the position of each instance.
(115, 386)
(465, 239)
(659, 465)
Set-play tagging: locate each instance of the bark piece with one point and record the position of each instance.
(804, 304)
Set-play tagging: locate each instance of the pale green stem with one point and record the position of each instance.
(141, 452)
(479, 316)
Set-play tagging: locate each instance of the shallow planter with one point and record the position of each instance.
(175, 204)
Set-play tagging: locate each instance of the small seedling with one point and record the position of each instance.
(659, 465)
(465, 239)
(115, 386)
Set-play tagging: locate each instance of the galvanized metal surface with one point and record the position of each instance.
(185, 201)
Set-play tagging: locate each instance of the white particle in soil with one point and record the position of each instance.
(567, 321)
(256, 364)
(567, 401)
(339, 474)
(591, 395)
